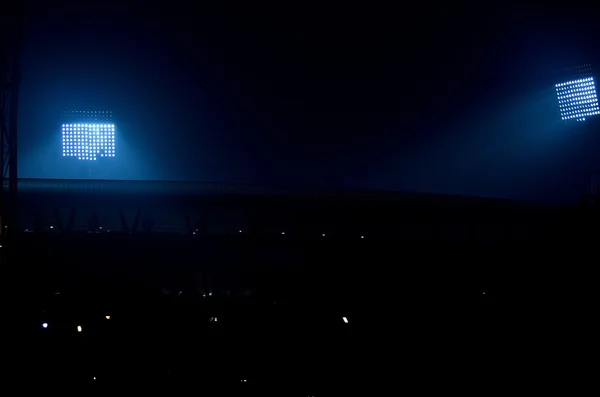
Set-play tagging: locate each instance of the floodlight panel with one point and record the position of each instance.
(577, 99)
(88, 141)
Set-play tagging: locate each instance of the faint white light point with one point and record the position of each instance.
(345, 319)
(323, 234)
(79, 328)
(240, 231)
(282, 232)
(44, 325)
(107, 317)
(94, 378)
(362, 236)
(244, 380)
(484, 292)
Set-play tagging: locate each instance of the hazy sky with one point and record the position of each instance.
(454, 100)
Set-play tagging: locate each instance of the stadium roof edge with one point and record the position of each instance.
(184, 188)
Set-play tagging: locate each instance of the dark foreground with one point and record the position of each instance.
(239, 315)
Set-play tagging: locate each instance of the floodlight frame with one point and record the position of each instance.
(570, 76)
(577, 99)
(88, 135)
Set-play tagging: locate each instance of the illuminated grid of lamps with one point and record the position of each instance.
(577, 99)
(88, 141)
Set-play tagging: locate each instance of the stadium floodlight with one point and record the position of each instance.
(88, 141)
(577, 99)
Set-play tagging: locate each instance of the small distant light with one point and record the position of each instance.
(94, 378)
(484, 293)
(240, 231)
(362, 236)
(44, 325)
(79, 329)
(282, 232)
(323, 234)
(107, 317)
(244, 380)
(51, 227)
(345, 320)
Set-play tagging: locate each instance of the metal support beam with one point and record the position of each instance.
(136, 221)
(10, 41)
(123, 221)
(59, 222)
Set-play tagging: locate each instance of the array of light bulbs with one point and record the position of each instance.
(577, 99)
(88, 141)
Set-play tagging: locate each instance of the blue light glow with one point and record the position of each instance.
(577, 99)
(88, 141)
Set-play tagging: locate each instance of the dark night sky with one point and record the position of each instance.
(436, 98)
